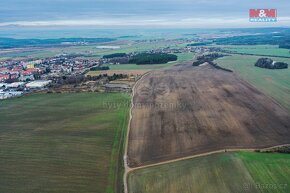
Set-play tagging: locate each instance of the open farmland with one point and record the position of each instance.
(243, 172)
(274, 83)
(62, 143)
(91, 51)
(189, 110)
(112, 72)
(128, 68)
(266, 50)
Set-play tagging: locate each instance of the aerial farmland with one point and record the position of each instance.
(208, 109)
(153, 113)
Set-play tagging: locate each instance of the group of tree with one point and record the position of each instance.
(77, 79)
(198, 44)
(109, 77)
(152, 58)
(270, 64)
(215, 65)
(115, 55)
(117, 76)
(285, 45)
(70, 79)
(99, 68)
(209, 58)
(206, 58)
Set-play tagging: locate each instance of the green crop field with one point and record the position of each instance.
(269, 50)
(181, 58)
(274, 83)
(272, 169)
(244, 172)
(30, 54)
(62, 143)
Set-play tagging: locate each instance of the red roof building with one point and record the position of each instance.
(30, 71)
(4, 77)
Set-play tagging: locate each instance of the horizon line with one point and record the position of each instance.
(161, 23)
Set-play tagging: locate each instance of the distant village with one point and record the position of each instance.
(20, 77)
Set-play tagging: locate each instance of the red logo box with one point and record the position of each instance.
(263, 15)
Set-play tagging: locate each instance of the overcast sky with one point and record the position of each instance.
(160, 13)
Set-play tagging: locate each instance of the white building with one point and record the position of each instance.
(15, 85)
(3, 85)
(9, 94)
(38, 84)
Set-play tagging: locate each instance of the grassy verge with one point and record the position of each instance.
(62, 143)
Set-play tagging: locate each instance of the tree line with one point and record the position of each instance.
(152, 58)
(207, 58)
(99, 68)
(115, 55)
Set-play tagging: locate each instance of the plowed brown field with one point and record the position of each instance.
(188, 110)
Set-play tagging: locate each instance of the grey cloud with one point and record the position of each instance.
(43, 10)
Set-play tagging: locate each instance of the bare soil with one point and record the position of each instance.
(189, 110)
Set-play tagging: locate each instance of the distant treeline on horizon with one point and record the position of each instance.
(16, 43)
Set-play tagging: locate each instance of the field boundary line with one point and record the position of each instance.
(263, 55)
(206, 154)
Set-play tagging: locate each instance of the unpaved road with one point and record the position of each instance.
(187, 110)
(202, 155)
(127, 169)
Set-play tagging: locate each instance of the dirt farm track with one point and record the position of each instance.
(189, 110)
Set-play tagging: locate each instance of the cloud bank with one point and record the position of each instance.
(122, 13)
(177, 23)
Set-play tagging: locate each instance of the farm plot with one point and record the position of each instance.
(274, 83)
(57, 143)
(243, 172)
(190, 110)
(264, 50)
